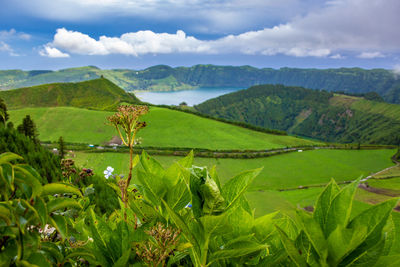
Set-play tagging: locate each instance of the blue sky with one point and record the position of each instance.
(135, 34)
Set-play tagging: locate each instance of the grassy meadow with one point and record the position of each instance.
(279, 172)
(166, 128)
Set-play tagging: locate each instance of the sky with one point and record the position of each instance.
(135, 34)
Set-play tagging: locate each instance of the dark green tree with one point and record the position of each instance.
(3, 112)
(28, 128)
(61, 147)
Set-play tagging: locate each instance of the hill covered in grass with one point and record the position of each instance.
(98, 94)
(166, 128)
(165, 78)
(316, 114)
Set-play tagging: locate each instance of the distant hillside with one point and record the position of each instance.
(165, 128)
(317, 114)
(165, 78)
(98, 94)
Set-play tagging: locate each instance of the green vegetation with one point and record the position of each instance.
(287, 171)
(165, 78)
(46, 163)
(98, 94)
(316, 114)
(58, 223)
(177, 214)
(167, 128)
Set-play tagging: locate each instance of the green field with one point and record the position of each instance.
(279, 172)
(166, 128)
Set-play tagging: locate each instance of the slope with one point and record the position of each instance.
(96, 94)
(311, 113)
(167, 128)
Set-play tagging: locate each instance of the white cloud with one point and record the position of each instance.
(135, 43)
(328, 31)
(4, 47)
(370, 55)
(13, 34)
(52, 52)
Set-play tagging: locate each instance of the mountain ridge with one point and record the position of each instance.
(166, 78)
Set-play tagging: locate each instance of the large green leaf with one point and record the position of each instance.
(24, 174)
(291, 249)
(389, 261)
(324, 203)
(152, 166)
(264, 226)
(179, 196)
(150, 191)
(7, 157)
(59, 188)
(340, 209)
(343, 241)
(237, 186)
(215, 225)
(374, 219)
(60, 224)
(7, 175)
(177, 171)
(315, 234)
(62, 203)
(123, 260)
(41, 208)
(235, 253)
(5, 214)
(53, 250)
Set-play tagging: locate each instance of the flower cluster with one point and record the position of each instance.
(67, 167)
(85, 173)
(108, 172)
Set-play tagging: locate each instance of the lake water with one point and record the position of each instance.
(191, 97)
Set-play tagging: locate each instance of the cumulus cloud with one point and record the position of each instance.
(370, 55)
(52, 52)
(339, 27)
(135, 43)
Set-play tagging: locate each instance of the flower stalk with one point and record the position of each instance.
(126, 122)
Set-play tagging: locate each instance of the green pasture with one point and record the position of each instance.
(279, 172)
(166, 128)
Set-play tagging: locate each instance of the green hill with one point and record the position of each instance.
(165, 78)
(317, 114)
(95, 94)
(166, 128)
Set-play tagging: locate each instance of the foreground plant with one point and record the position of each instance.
(34, 224)
(329, 237)
(126, 122)
(162, 243)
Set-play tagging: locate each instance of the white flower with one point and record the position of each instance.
(108, 172)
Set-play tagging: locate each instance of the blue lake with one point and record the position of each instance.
(191, 97)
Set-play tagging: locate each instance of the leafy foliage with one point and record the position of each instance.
(46, 163)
